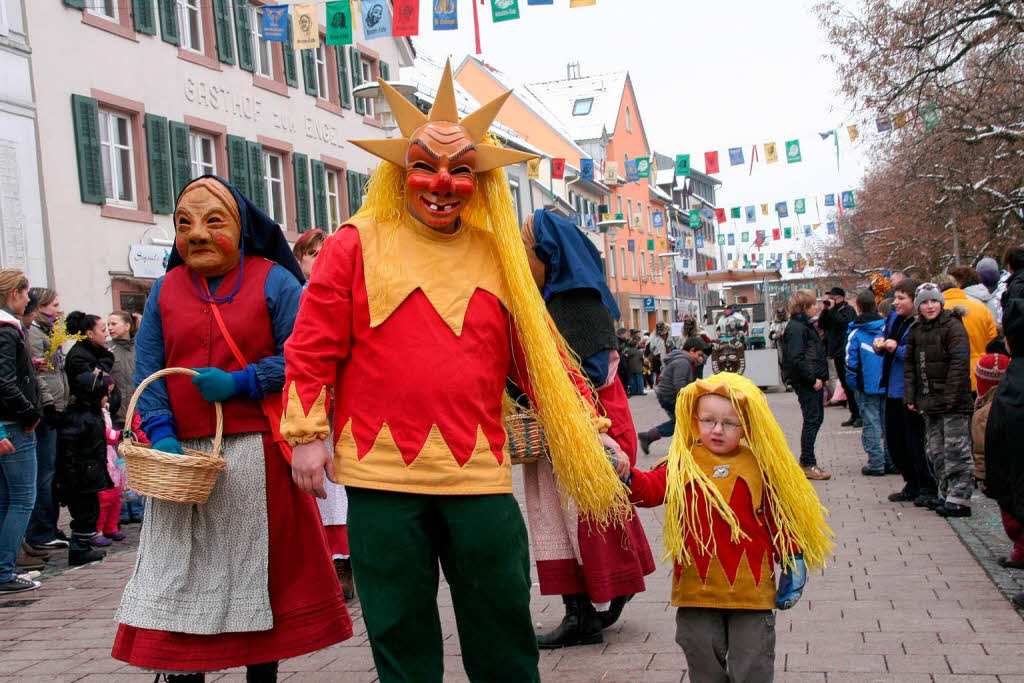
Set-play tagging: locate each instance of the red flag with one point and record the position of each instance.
(720, 215)
(776, 234)
(406, 18)
(710, 162)
(558, 168)
(709, 265)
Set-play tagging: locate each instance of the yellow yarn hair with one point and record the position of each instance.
(798, 513)
(577, 455)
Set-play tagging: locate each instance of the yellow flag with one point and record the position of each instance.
(771, 155)
(611, 172)
(853, 132)
(582, 3)
(532, 169)
(900, 120)
(764, 209)
(305, 26)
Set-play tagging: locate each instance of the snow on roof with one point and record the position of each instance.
(605, 91)
(665, 176)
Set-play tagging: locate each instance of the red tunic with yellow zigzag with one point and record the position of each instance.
(418, 353)
(739, 575)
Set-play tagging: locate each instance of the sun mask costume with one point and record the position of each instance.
(244, 579)
(417, 310)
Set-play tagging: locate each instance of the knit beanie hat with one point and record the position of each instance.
(928, 291)
(989, 371)
(988, 271)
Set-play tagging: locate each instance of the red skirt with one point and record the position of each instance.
(616, 560)
(305, 597)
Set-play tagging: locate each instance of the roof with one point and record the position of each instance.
(561, 96)
(730, 275)
(665, 176)
(658, 193)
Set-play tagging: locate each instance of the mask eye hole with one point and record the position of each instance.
(466, 170)
(423, 166)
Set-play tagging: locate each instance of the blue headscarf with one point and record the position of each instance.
(261, 236)
(572, 260)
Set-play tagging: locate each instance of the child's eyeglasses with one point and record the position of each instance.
(727, 426)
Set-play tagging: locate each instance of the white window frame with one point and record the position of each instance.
(110, 152)
(625, 268)
(632, 265)
(198, 162)
(643, 267)
(277, 199)
(333, 198)
(366, 67)
(264, 63)
(322, 89)
(190, 41)
(619, 200)
(629, 121)
(98, 8)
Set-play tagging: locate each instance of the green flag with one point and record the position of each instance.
(339, 22)
(799, 206)
(793, 151)
(683, 164)
(788, 232)
(643, 167)
(721, 240)
(504, 10)
(734, 212)
(650, 245)
(930, 116)
(694, 218)
(744, 237)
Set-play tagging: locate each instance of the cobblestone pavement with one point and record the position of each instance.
(903, 600)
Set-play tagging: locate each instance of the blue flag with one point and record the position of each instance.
(807, 231)
(707, 213)
(540, 2)
(275, 23)
(587, 169)
(832, 227)
(751, 212)
(700, 241)
(376, 19)
(781, 209)
(446, 15)
(735, 156)
(830, 200)
(847, 199)
(631, 245)
(659, 219)
(731, 239)
(883, 125)
(632, 174)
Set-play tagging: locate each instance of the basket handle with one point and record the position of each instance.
(159, 374)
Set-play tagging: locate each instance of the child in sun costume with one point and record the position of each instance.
(736, 503)
(417, 311)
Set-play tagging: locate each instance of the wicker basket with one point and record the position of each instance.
(526, 439)
(186, 478)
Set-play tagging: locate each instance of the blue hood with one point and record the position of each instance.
(863, 365)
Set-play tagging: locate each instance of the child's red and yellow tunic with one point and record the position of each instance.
(738, 575)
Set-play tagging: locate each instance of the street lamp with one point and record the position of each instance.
(372, 91)
(610, 230)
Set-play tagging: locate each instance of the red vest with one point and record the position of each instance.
(192, 339)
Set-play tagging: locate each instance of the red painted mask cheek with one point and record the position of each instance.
(181, 244)
(418, 182)
(464, 186)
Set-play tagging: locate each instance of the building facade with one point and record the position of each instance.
(137, 98)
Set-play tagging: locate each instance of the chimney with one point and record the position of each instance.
(572, 70)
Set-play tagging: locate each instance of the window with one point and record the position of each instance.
(612, 263)
(618, 201)
(629, 121)
(321, 73)
(103, 8)
(201, 154)
(653, 271)
(333, 185)
(582, 106)
(632, 265)
(116, 157)
(629, 213)
(191, 20)
(513, 187)
(261, 48)
(624, 268)
(366, 67)
(650, 221)
(643, 267)
(273, 175)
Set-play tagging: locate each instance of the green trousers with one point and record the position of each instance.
(397, 541)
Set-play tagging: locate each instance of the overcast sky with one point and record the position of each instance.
(708, 76)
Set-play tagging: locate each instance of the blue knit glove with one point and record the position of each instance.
(168, 444)
(217, 385)
(791, 585)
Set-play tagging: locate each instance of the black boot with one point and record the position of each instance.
(198, 677)
(614, 611)
(580, 625)
(261, 673)
(81, 552)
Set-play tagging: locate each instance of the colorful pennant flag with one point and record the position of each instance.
(504, 10)
(734, 212)
(832, 228)
(788, 232)
(581, 3)
(632, 175)
(446, 15)
(720, 215)
(587, 169)
(883, 125)
(558, 168)
(339, 22)
(643, 167)
(764, 209)
(807, 231)
(611, 172)
(830, 200)
(658, 218)
(710, 162)
(700, 241)
(650, 245)
(771, 154)
(793, 152)
(847, 199)
(376, 19)
(800, 206)
(930, 116)
(781, 209)
(744, 237)
(694, 218)
(853, 132)
(899, 121)
(631, 245)
(732, 239)
(735, 156)
(306, 27)
(721, 240)
(275, 23)
(407, 18)
(751, 212)
(540, 2)
(683, 165)
(825, 135)
(532, 169)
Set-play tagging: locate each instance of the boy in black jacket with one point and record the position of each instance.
(805, 366)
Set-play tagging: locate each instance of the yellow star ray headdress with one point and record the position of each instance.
(410, 119)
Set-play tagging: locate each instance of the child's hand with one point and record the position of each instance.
(791, 585)
(6, 446)
(621, 464)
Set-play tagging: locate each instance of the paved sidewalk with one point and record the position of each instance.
(904, 600)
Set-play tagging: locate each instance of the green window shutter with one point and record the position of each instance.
(77, 4)
(222, 23)
(145, 20)
(343, 85)
(301, 164)
(258, 189)
(238, 164)
(385, 71)
(309, 71)
(355, 192)
(291, 73)
(357, 77)
(86, 117)
(158, 148)
(319, 196)
(169, 21)
(181, 161)
(246, 59)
